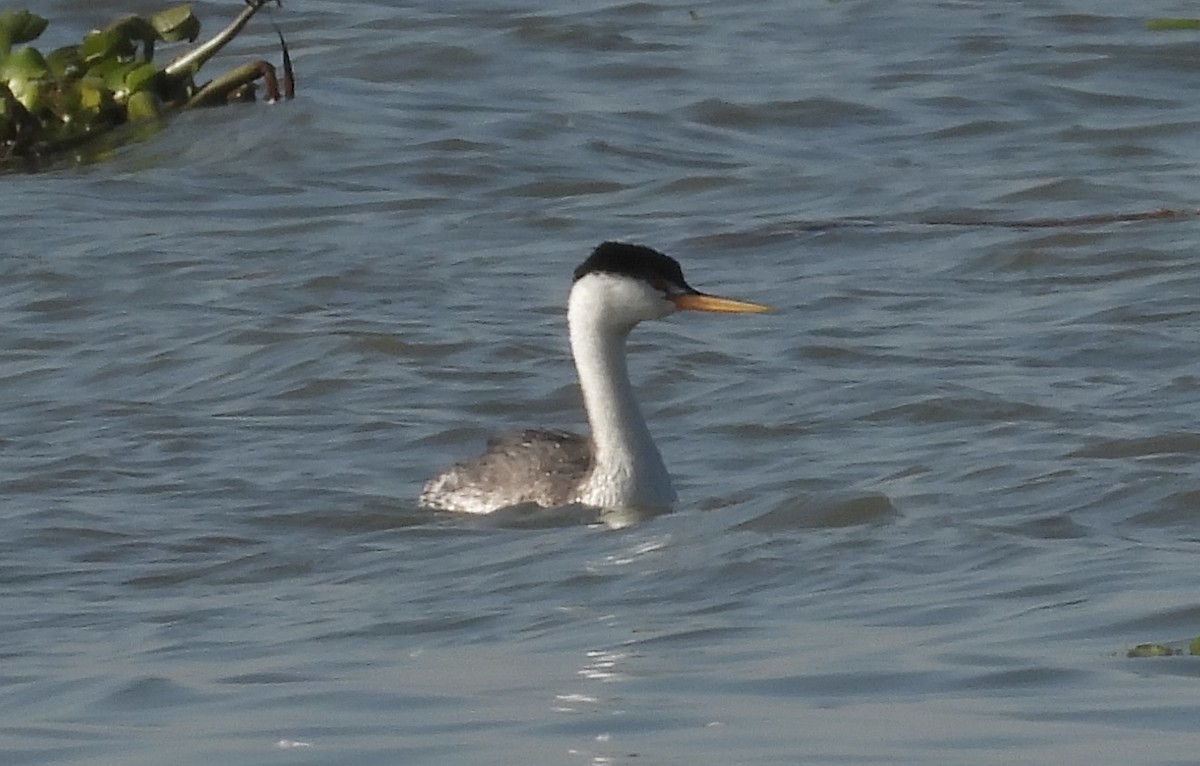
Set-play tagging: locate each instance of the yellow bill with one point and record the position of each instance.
(702, 302)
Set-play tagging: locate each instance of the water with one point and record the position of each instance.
(925, 506)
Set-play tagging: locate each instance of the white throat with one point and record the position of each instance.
(628, 471)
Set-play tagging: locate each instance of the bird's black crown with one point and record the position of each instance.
(637, 261)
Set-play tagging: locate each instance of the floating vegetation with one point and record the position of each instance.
(1174, 649)
(1152, 650)
(1172, 25)
(58, 101)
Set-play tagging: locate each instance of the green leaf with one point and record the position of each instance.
(24, 71)
(176, 24)
(21, 26)
(1194, 647)
(143, 105)
(135, 29)
(110, 74)
(108, 44)
(94, 99)
(141, 77)
(23, 64)
(1172, 25)
(65, 62)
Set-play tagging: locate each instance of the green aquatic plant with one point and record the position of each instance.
(1172, 25)
(54, 102)
(1151, 650)
(1174, 649)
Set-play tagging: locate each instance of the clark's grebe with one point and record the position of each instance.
(618, 467)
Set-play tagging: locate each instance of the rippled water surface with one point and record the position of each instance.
(925, 506)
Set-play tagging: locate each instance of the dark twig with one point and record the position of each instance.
(289, 77)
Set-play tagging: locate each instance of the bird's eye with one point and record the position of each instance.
(659, 285)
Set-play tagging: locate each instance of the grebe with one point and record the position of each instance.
(618, 467)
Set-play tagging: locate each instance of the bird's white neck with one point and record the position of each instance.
(628, 471)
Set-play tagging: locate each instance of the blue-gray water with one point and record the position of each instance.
(925, 507)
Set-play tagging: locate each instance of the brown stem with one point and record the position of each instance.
(195, 58)
(217, 91)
